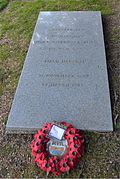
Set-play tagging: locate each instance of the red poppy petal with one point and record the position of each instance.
(64, 169)
(71, 164)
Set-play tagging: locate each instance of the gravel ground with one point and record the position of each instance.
(102, 154)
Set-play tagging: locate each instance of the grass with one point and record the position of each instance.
(3, 4)
(16, 28)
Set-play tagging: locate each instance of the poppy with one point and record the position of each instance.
(74, 154)
(70, 131)
(64, 168)
(40, 157)
(33, 153)
(39, 138)
(45, 166)
(75, 139)
(75, 145)
(32, 144)
(46, 128)
(41, 133)
(35, 136)
(56, 170)
(53, 161)
(70, 162)
(34, 150)
(63, 165)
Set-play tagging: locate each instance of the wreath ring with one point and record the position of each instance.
(73, 152)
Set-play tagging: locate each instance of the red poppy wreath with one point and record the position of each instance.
(57, 147)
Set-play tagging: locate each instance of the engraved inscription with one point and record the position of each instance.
(64, 43)
(61, 85)
(63, 76)
(66, 61)
(67, 29)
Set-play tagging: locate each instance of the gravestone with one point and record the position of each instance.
(64, 77)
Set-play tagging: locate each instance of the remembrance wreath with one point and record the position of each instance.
(52, 163)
